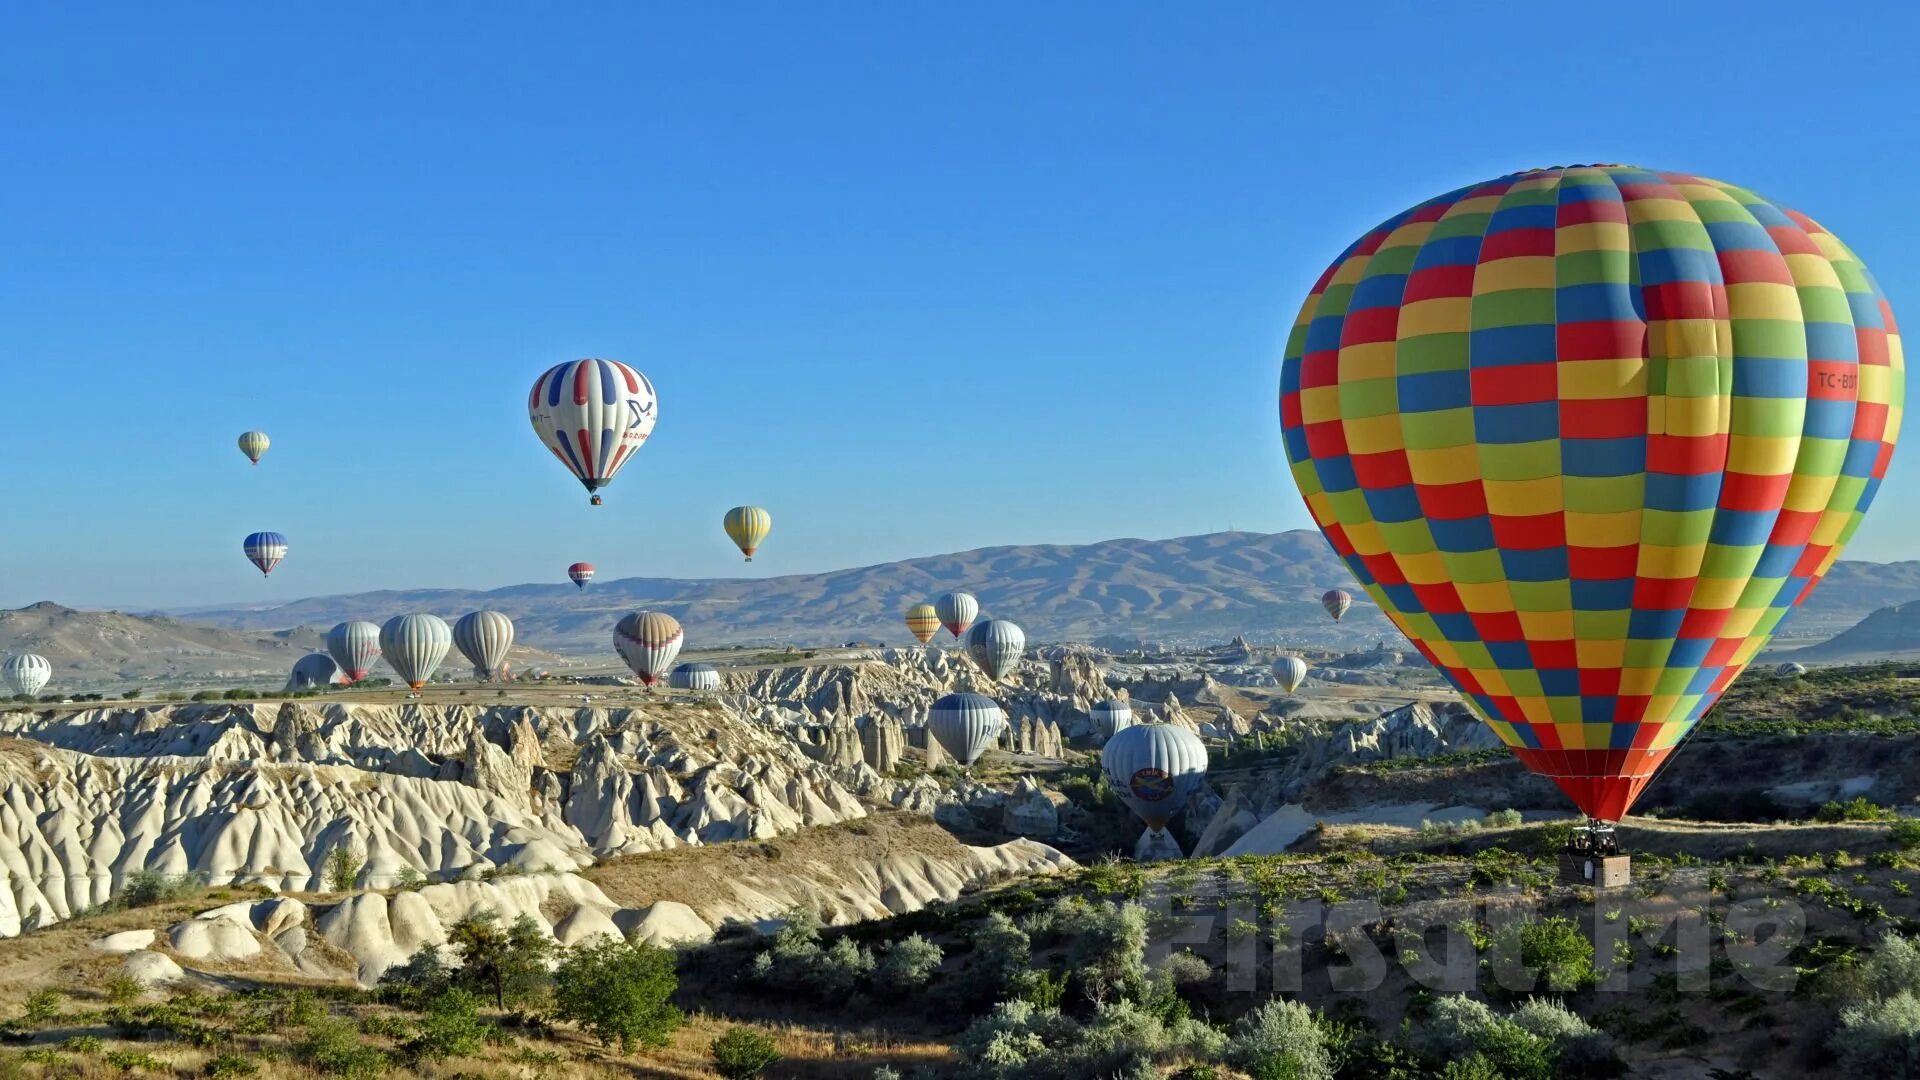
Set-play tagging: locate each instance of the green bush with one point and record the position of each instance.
(618, 991)
(451, 1028)
(422, 978)
(1880, 1038)
(333, 1048)
(343, 868)
(230, 1067)
(1280, 1040)
(1854, 809)
(1553, 950)
(41, 1008)
(1905, 833)
(144, 888)
(741, 1054)
(507, 964)
(907, 964)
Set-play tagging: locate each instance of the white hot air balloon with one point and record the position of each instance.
(27, 673)
(957, 610)
(1112, 716)
(704, 677)
(593, 415)
(484, 637)
(414, 645)
(966, 725)
(1291, 671)
(996, 645)
(1153, 768)
(354, 646)
(648, 641)
(314, 671)
(254, 444)
(1792, 670)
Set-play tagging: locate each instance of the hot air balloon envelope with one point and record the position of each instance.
(1585, 435)
(593, 415)
(747, 527)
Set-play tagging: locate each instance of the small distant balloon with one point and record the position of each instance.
(1112, 716)
(254, 444)
(354, 646)
(957, 610)
(923, 622)
(996, 645)
(414, 645)
(747, 527)
(265, 550)
(1291, 671)
(580, 573)
(1336, 601)
(648, 641)
(1792, 670)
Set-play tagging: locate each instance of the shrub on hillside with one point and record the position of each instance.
(618, 992)
(907, 964)
(1280, 1040)
(1554, 951)
(741, 1054)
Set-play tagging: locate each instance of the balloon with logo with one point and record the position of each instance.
(922, 622)
(354, 646)
(648, 641)
(264, 550)
(957, 610)
(1153, 768)
(414, 645)
(747, 527)
(1586, 434)
(593, 415)
(254, 444)
(580, 573)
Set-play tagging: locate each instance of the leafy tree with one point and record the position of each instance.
(508, 963)
(741, 1054)
(424, 977)
(343, 868)
(618, 991)
(452, 1027)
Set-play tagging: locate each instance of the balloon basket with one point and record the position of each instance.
(1593, 858)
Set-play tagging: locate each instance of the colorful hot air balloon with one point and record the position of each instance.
(580, 573)
(966, 725)
(593, 415)
(747, 527)
(1336, 601)
(1585, 435)
(354, 646)
(484, 637)
(957, 611)
(414, 645)
(922, 622)
(26, 673)
(1154, 768)
(1111, 717)
(254, 444)
(314, 671)
(648, 641)
(1291, 671)
(265, 550)
(996, 645)
(703, 677)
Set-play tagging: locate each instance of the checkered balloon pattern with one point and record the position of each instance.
(1586, 434)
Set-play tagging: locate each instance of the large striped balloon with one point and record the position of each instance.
(922, 622)
(694, 677)
(354, 646)
(414, 645)
(996, 645)
(1154, 769)
(484, 637)
(593, 415)
(265, 550)
(1585, 435)
(747, 527)
(26, 673)
(648, 641)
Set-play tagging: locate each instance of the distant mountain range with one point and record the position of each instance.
(1194, 588)
(99, 649)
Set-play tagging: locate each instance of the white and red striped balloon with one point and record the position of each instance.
(593, 415)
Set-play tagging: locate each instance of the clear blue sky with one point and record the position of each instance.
(916, 277)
